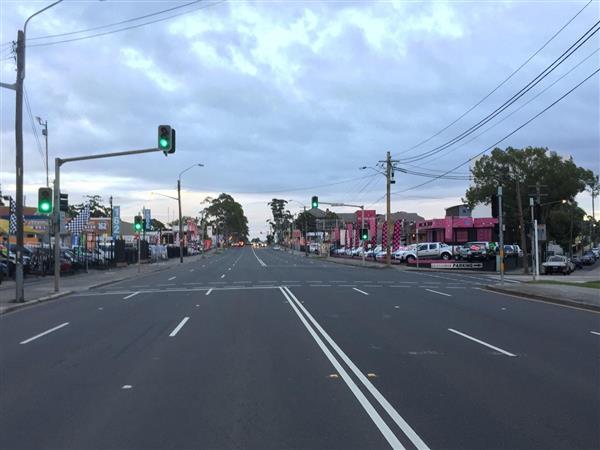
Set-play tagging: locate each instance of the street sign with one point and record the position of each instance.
(541, 231)
(147, 220)
(116, 222)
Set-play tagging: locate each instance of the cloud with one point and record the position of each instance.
(275, 96)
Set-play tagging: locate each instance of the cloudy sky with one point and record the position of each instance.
(287, 99)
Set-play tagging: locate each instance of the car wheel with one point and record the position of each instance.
(410, 259)
(445, 256)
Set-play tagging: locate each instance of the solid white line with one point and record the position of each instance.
(262, 263)
(481, 342)
(362, 292)
(131, 295)
(595, 332)
(172, 278)
(26, 341)
(404, 426)
(436, 292)
(364, 402)
(178, 327)
(209, 291)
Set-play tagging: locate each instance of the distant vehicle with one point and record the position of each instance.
(314, 247)
(429, 250)
(276, 247)
(373, 251)
(478, 250)
(558, 264)
(358, 251)
(596, 252)
(400, 254)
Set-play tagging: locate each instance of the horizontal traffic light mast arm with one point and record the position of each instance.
(61, 161)
(342, 204)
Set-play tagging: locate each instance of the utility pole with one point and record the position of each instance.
(305, 234)
(501, 232)
(389, 175)
(522, 226)
(534, 236)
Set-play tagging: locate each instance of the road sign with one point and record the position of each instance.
(541, 231)
(147, 220)
(116, 222)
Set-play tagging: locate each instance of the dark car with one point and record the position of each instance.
(588, 259)
(578, 261)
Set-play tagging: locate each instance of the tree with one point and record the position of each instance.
(97, 208)
(184, 219)
(311, 222)
(228, 216)
(564, 223)
(518, 171)
(282, 218)
(157, 224)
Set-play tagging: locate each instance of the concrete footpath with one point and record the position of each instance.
(581, 297)
(41, 289)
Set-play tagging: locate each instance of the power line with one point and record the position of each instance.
(512, 112)
(502, 83)
(305, 188)
(509, 134)
(547, 71)
(131, 27)
(34, 129)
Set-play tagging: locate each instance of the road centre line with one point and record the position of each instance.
(481, 342)
(209, 291)
(172, 278)
(362, 399)
(397, 418)
(131, 295)
(179, 327)
(319, 285)
(437, 292)
(595, 332)
(37, 336)
(362, 292)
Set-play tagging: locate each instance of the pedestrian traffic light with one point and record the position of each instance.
(64, 202)
(315, 201)
(364, 234)
(166, 139)
(137, 223)
(45, 200)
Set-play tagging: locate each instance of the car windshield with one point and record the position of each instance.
(287, 224)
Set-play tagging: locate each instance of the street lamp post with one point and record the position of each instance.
(179, 204)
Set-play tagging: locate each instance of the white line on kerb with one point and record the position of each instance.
(131, 295)
(397, 418)
(481, 342)
(362, 292)
(437, 292)
(209, 291)
(364, 402)
(595, 332)
(172, 278)
(26, 341)
(179, 327)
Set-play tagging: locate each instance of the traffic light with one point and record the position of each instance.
(315, 201)
(45, 200)
(166, 139)
(137, 223)
(64, 202)
(364, 234)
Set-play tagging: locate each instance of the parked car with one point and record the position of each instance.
(373, 251)
(277, 247)
(358, 251)
(478, 250)
(577, 261)
(400, 254)
(588, 258)
(596, 252)
(558, 264)
(429, 250)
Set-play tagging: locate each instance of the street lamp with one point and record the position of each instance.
(45, 134)
(179, 203)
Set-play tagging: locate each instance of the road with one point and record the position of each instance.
(262, 349)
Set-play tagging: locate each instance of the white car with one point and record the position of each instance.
(358, 251)
(276, 247)
(373, 251)
(400, 254)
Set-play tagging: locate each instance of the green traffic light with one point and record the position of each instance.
(45, 206)
(163, 143)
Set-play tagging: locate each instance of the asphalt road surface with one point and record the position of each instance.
(261, 349)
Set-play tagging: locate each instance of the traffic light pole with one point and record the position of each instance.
(58, 162)
(362, 208)
(501, 232)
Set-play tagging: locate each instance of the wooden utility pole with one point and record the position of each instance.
(389, 177)
(522, 226)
